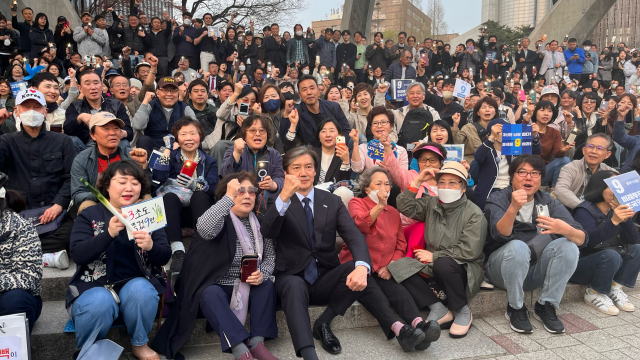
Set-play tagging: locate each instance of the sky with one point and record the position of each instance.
(458, 21)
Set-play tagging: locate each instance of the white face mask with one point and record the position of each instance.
(242, 67)
(587, 48)
(448, 196)
(187, 22)
(305, 71)
(373, 195)
(299, 33)
(31, 118)
(7, 42)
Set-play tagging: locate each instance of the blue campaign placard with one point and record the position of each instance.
(17, 86)
(375, 150)
(516, 139)
(527, 139)
(626, 188)
(399, 88)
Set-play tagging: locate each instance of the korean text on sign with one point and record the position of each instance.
(147, 215)
(626, 188)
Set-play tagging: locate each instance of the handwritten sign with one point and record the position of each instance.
(10, 347)
(455, 152)
(17, 86)
(626, 188)
(462, 89)
(14, 338)
(516, 139)
(399, 88)
(147, 215)
(375, 150)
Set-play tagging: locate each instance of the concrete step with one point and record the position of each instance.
(49, 342)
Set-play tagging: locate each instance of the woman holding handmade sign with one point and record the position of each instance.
(115, 274)
(493, 167)
(611, 258)
(234, 283)
(189, 178)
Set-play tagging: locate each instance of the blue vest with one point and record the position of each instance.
(157, 126)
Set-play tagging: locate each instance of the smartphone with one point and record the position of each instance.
(66, 24)
(521, 96)
(263, 170)
(155, 155)
(87, 60)
(318, 59)
(340, 142)
(425, 57)
(470, 48)
(249, 266)
(189, 168)
(14, 6)
(604, 105)
(410, 147)
(542, 210)
(244, 109)
(56, 128)
(532, 94)
(344, 67)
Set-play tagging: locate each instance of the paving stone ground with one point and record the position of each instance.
(589, 335)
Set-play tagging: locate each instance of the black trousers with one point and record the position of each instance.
(449, 275)
(21, 301)
(296, 294)
(179, 216)
(382, 296)
(59, 240)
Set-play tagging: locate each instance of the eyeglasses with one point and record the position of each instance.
(449, 184)
(324, 132)
(251, 190)
(588, 101)
(599, 148)
(381, 123)
(524, 173)
(170, 90)
(408, 57)
(429, 160)
(123, 85)
(256, 131)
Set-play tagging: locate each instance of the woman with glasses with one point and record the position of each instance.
(220, 287)
(381, 122)
(380, 224)
(493, 167)
(202, 184)
(611, 258)
(588, 120)
(452, 250)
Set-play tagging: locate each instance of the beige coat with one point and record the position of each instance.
(571, 179)
(468, 136)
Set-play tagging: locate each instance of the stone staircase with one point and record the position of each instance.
(48, 341)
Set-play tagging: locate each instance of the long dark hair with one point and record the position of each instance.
(612, 117)
(38, 16)
(316, 140)
(595, 187)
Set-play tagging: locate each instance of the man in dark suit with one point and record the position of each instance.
(276, 49)
(526, 57)
(307, 267)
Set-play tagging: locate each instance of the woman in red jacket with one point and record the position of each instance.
(380, 223)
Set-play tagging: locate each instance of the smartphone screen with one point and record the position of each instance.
(244, 109)
(188, 168)
(56, 128)
(263, 170)
(410, 147)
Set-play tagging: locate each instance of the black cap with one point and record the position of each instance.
(248, 33)
(61, 18)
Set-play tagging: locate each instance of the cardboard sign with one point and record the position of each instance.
(516, 139)
(147, 215)
(375, 150)
(399, 88)
(14, 337)
(626, 189)
(462, 89)
(455, 152)
(17, 86)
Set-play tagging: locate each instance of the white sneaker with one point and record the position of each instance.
(58, 260)
(601, 302)
(621, 300)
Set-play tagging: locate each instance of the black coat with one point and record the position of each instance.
(291, 234)
(62, 41)
(277, 54)
(334, 173)
(40, 39)
(201, 269)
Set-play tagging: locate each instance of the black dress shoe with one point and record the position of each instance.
(410, 337)
(330, 342)
(431, 330)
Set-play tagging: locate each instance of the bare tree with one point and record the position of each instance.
(435, 11)
(417, 3)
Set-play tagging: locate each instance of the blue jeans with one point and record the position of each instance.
(599, 270)
(508, 268)
(553, 170)
(96, 307)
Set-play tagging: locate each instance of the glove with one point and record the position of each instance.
(168, 141)
(186, 181)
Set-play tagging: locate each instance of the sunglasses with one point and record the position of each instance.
(251, 190)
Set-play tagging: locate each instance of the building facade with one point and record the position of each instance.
(516, 13)
(621, 22)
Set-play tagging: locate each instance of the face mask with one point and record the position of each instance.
(7, 42)
(613, 86)
(242, 68)
(440, 48)
(299, 33)
(272, 105)
(447, 95)
(240, 38)
(373, 195)
(187, 22)
(31, 118)
(587, 48)
(574, 88)
(448, 196)
(492, 43)
(305, 71)
(620, 49)
(606, 52)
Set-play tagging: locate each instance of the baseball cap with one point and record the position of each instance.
(142, 63)
(30, 94)
(167, 81)
(68, 78)
(135, 83)
(259, 36)
(61, 18)
(103, 118)
(85, 13)
(112, 72)
(453, 168)
(550, 89)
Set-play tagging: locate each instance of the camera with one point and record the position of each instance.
(505, 50)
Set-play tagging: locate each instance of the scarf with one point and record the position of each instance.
(240, 297)
(590, 123)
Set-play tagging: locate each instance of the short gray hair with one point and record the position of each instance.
(365, 178)
(291, 156)
(601, 135)
(416, 83)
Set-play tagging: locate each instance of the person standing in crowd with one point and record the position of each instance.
(426, 49)
(575, 59)
(159, 39)
(248, 53)
(398, 48)
(326, 49)
(506, 63)
(606, 65)
(376, 54)
(553, 64)
(90, 39)
(276, 49)
(298, 48)
(41, 36)
(38, 164)
(345, 54)
(6, 49)
(24, 41)
(360, 57)
(591, 63)
(185, 37)
(525, 58)
(469, 59)
(135, 38)
(491, 58)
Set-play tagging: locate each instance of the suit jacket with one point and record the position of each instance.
(333, 172)
(291, 234)
(547, 65)
(529, 60)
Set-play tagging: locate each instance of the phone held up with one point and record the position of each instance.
(263, 170)
(340, 142)
(249, 266)
(243, 109)
(189, 168)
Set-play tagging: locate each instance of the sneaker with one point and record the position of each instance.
(547, 314)
(58, 259)
(621, 300)
(519, 319)
(486, 285)
(601, 302)
(177, 258)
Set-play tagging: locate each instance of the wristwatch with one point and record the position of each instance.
(154, 72)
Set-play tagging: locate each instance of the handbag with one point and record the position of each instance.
(44, 230)
(184, 194)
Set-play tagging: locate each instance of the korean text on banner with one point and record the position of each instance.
(462, 89)
(375, 150)
(516, 139)
(399, 88)
(147, 215)
(626, 188)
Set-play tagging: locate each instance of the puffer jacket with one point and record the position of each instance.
(13, 37)
(90, 44)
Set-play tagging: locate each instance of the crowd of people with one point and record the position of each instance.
(308, 182)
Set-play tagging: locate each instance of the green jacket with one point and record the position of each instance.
(456, 230)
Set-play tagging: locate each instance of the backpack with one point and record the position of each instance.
(414, 127)
(482, 132)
